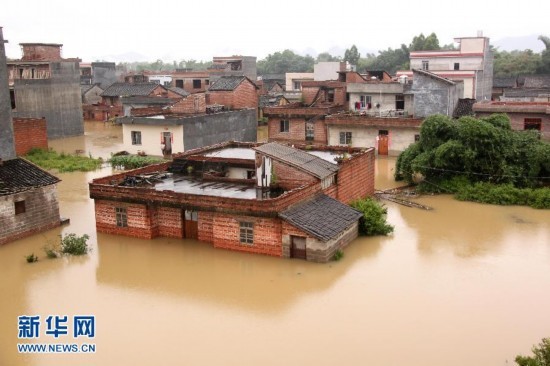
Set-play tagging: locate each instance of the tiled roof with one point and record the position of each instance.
(433, 76)
(19, 175)
(526, 93)
(537, 81)
(147, 100)
(86, 88)
(269, 100)
(504, 82)
(129, 89)
(323, 217)
(464, 107)
(179, 91)
(300, 159)
(226, 83)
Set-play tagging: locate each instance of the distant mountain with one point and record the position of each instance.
(519, 43)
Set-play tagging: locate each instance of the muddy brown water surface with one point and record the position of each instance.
(464, 284)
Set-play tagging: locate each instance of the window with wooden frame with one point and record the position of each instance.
(284, 125)
(121, 217)
(246, 232)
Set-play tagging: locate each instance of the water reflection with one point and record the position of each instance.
(464, 284)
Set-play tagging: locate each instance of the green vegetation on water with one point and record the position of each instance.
(373, 221)
(62, 162)
(133, 161)
(480, 160)
(74, 245)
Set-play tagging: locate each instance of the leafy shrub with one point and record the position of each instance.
(133, 161)
(31, 258)
(338, 255)
(50, 252)
(373, 221)
(541, 355)
(74, 245)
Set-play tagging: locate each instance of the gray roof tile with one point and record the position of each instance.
(311, 164)
(226, 83)
(323, 217)
(129, 89)
(19, 175)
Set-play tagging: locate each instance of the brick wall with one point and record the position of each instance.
(296, 130)
(34, 52)
(244, 96)
(309, 94)
(170, 222)
(356, 177)
(29, 133)
(147, 111)
(194, 103)
(205, 226)
(289, 177)
(141, 220)
(41, 213)
(267, 234)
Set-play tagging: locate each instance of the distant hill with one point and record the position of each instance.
(519, 43)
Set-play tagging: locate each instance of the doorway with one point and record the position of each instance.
(383, 142)
(190, 224)
(167, 142)
(298, 247)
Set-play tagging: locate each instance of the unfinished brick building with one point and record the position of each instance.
(269, 199)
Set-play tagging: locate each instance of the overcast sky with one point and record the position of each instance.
(175, 30)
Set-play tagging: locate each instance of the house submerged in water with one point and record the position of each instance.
(270, 199)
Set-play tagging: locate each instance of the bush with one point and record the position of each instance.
(74, 245)
(338, 255)
(31, 258)
(373, 221)
(133, 161)
(50, 252)
(541, 355)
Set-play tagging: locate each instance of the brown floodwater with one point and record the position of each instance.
(463, 284)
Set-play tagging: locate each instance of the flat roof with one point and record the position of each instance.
(326, 155)
(233, 153)
(183, 184)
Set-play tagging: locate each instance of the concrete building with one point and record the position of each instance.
(28, 194)
(170, 134)
(45, 85)
(433, 94)
(224, 195)
(191, 81)
(104, 74)
(329, 70)
(389, 136)
(382, 99)
(471, 64)
(161, 79)
(233, 66)
(294, 80)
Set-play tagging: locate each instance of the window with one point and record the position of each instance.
(399, 101)
(179, 84)
(365, 101)
(156, 81)
(330, 95)
(207, 82)
(297, 85)
(191, 215)
(416, 138)
(197, 84)
(167, 83)
(136, 137)
(532, 124)
(284, 125)
(20, 207)
(121, 217)
(310, 131)
(345, 138)
(247, 232)
(457, 66)
(425, 65)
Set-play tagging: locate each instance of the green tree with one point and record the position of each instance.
(373, 221)
(544, 67)
(421, 43)
(327, 57)
(285, 61)
(352, 55)
(389, 60)
(515, 63)
(541, 355)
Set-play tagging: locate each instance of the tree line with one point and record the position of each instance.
(506, 63)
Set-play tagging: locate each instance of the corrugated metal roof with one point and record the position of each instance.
(323, 217)
(300, 159)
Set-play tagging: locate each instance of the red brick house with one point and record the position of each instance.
(112, 95)
(233, 92)
(523, 115)
(191, 81)
(268, 199)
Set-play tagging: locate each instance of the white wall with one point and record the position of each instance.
(161, 79)
(399, 138)
(150, 138)
(291, 77)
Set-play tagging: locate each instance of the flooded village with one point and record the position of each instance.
(223, 251)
